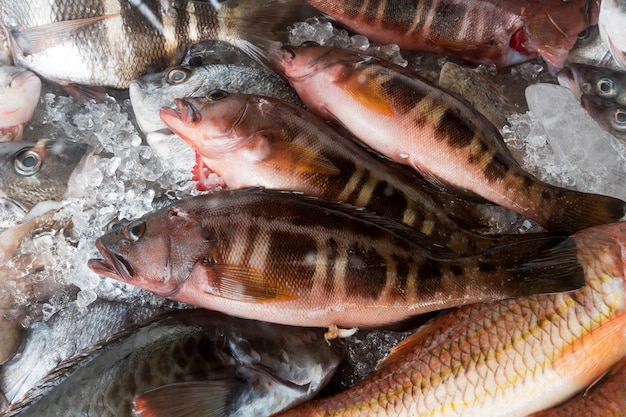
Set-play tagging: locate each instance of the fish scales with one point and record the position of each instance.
(414, 123)
(508, 358)
(299, 260)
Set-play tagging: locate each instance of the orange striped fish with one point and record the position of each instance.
(503, 359)
(415, 123)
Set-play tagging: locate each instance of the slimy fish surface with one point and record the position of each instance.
(503, 359)
(113, 42)
(287, 258)
(487, 31)
(190, 362)
(412, 122)
(19, 95)
(253, 140)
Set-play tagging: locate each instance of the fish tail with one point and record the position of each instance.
(577, 211)
(542, 265)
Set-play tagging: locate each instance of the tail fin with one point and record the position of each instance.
(577, 211)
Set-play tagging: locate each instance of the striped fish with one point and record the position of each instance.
(253, 140)
(291, 259)
(412, 122)
(111, 42)
(504, 359)
(487, 31)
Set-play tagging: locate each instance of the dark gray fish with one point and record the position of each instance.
(189, 361)
(610, 115)
(602, 82)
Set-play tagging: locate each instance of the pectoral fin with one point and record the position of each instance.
(295, 158)
(367, 92)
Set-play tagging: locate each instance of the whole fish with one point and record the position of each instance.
(597, 81)
(253, 140)
(19, 95)
(590, 49)
(487, 31)
(509, 358)
(36, 171)
(610, 115)
(606, 398)
(113, 42)
(612, 27)
(291, 259)
(412, 122)
(190, 362)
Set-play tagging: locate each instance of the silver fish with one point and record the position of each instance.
(612, 26)
(19, 95)
(114, 41)
(189, 361)
(597, 81)
(590, 49)
(610, 115)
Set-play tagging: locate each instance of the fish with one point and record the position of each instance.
(19, 95)
(188, 361)
(605, 398)
(508, 358)
(483, 31)
(32, 172)
(597, 81)
(590, 49)
(287, 258)
(612, 27)
(409, 120)
(610, 115)
(251, 140)
(116, 41)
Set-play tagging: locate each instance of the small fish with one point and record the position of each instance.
(189, 362)
(480, 31)
(503, 359)
(597, 81)
(610, 115)
(590, 49)
(113, 42)
(36, 171)
(612, 27)
(19, 95)
(412, 122)
(291, 259)
(253, 140)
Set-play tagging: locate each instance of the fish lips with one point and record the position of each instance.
(184, 111)
(113, 265)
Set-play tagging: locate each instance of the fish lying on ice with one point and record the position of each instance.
(487, 31)
(189, 362)
(504, 359)
(292, 259)
(113, 41)
(19, 95)
(251, 140)
(610, 115)
(597, 81)
(590, 49)
(412, 122)
(612, 27)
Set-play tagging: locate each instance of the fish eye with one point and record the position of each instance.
(28, 162)
(619, 119)
(217, 94)
(135, 230)
(309, 43)
(177, 75)
(288, 53)
(585, 36)
(606, 87)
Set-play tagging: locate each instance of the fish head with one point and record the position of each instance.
(19, 95)
(612, 27)
(299, 63)
(601, 82)
(156, 252)
(32, 172)
(610, 115)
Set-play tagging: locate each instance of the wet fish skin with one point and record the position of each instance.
(19, 95)
(590, 49)
(292, 259)
(412, 122)
(597, 81)
(484, 31)
(251, 140)
(36, 171)
(113, 41)
(610, 115)
(257, 368)
(612, 27)
(508, 358)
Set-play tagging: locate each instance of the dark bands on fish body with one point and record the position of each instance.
(455, 130)
(404, 9)
(366, 272)
(288, 257)
(370, 10)
(403, 98)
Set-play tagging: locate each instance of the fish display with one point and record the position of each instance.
(253, 140)
(414, 123)
(612, 27)
(114, 42)
(487, 31)
(597, 81)
(32, 172)
(509, 358)
(590, 49)
(19, 94)
(605, 398)
(292, 259)
(187, 362)
(610, 115)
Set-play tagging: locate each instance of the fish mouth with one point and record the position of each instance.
(183, 110)
(113, 265)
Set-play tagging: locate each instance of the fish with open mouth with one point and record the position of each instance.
(292, 259)
(19, 95)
